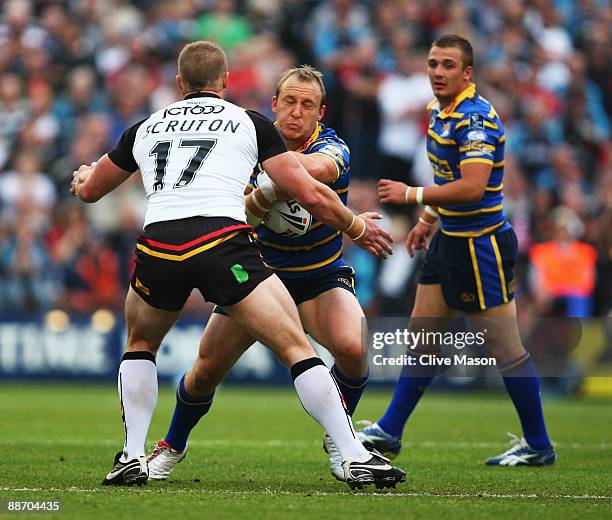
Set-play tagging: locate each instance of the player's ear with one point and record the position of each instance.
(467, 73)
(179, 83)
(321, 112)
(273, 104)
(225, 80)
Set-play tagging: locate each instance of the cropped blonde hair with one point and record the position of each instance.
(303, 73)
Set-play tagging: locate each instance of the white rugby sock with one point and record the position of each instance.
(137, 384)
(320, 397)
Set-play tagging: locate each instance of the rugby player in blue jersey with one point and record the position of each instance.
(310, 265)
(470, 259)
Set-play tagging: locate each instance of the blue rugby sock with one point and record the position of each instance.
(350, 388)
(409, 389)
(523, 385)
(187, 412)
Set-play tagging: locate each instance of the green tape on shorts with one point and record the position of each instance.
(239, 273)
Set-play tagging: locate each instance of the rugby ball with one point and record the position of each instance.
(288, 218)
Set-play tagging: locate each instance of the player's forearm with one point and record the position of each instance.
(457, 192)
(429, 216)
(102, 178)
(326, 206)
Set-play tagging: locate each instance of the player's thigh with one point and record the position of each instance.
(146, 325)
(503, 339)
(430, 313)
(221, 345)
(269, 314)
(430, 303)
(334, 319)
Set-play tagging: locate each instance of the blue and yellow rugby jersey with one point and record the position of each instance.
(468, 131)
(320, 248)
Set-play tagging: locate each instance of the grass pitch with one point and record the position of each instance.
(258, 455)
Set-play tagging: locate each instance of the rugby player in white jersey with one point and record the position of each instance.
(195, 157)
(310, 265)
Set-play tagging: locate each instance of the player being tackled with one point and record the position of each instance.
(310, 264)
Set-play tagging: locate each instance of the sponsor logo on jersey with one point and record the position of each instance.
(476, 122)
(346, 282)
(331, 150)
(476, 135)
(197, 110)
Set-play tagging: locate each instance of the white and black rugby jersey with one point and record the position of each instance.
(196, 157)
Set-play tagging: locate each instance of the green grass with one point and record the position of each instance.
(258, 455)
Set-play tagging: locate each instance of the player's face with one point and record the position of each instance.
(298, 109)
(447, 74)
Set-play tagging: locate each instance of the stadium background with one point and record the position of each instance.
(75, 74)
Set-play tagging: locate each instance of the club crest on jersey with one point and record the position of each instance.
(467, 297)
(445, 129)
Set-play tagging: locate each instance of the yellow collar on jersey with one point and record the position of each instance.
(469, 92)
(312, 138)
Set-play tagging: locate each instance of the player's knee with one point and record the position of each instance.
(504, 352)
(205, 377)
(137, 343)
(350, 358)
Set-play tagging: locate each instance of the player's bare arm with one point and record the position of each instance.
(324, 204)
(470, 188)
(258, 201)
(91, 183)
(320, 166)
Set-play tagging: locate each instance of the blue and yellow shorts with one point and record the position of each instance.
(475, 273)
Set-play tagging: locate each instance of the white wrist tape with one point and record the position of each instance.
(267, 188)
(406, 194)
(419, 195)
(430, 211)
(258, 204)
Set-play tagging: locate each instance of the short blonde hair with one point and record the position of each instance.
(202, 65)
(303, 73)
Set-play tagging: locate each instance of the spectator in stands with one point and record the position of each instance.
(402, 98)
(26, 192)
(224, 26)
(30, 283)
(565, 267)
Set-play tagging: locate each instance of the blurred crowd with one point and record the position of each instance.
(75, 73)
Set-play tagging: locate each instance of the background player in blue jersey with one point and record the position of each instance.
(310, 265)
(470, 260)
